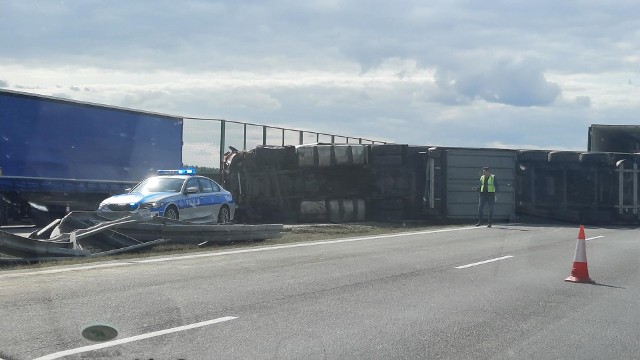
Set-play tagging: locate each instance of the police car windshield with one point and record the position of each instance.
(159, 184)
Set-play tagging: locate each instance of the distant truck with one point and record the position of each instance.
(59, 155)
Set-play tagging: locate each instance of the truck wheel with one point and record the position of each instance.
(171, 212)
(533, 155)
(595, 158)
(224, 215)
(388, 149)
(564, 156)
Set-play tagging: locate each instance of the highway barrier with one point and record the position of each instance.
(91, 234)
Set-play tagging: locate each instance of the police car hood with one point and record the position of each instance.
(138, 198)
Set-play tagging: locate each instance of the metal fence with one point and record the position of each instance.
(205, 140)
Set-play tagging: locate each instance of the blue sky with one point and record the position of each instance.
(516, 74)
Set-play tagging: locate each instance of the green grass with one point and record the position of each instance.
(291, 234)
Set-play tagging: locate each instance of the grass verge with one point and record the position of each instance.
(292, 234)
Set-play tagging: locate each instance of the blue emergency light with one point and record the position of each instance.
(177, 172)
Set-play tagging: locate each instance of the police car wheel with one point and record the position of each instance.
(171, 213)
(224, 215)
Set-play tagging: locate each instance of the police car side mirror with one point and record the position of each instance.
(192, 189)
(128, 190)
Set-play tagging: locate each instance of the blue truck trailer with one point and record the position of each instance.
(58, 155)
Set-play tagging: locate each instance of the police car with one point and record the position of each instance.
(176, 194)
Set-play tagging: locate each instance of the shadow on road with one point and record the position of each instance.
(509, 228)
(611, 286)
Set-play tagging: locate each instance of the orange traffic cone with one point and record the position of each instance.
(579, 271)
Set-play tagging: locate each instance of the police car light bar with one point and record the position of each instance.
(177, 172)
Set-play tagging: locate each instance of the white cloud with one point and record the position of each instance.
(583, 101)
(453, 73)
(517, 83)
(605, 90)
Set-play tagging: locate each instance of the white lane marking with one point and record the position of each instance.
(232, 252)
(483, 262)
(63, 270)
(593, 238)
(289, 246)
(133, 338)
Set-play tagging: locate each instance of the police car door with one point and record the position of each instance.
(210, 199)
(191, 207)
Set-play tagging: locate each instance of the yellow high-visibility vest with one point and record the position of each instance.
(490, 186)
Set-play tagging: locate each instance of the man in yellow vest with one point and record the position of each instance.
(488, 188)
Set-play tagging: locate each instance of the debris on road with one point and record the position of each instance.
(92, 234)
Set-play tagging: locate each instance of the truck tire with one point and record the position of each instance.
(388, 149)
(595, 158)
(306, 156)
(360, 209)
(333, 208)
(171, 212)
(325, 155)
(533, 155)
(564, 156)
(360, 155)
(346, 210)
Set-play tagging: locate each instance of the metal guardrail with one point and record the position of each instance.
(198, 134)
(93, 234)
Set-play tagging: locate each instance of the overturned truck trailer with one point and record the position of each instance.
(588, 187)
(355, 182)
(320, 182)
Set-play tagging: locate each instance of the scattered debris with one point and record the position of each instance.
(92, 234)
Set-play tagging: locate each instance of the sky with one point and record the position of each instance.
(505, 74)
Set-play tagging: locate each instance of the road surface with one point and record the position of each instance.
(453, 293)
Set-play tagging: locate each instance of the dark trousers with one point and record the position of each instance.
(489, 199)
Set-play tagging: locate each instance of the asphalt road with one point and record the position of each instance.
(427, 295)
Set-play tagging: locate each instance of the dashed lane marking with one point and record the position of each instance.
(483, 262)
(107, 344)
(230, 252)
(593, 238)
